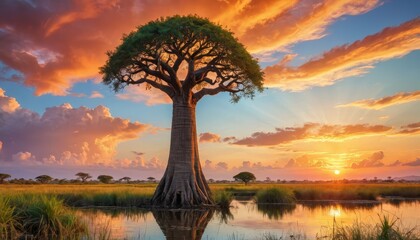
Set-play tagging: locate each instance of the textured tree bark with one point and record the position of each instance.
(183, 224)
(183, 185)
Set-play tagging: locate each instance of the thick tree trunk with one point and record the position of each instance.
(183, 185)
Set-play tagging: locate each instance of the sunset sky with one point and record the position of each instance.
(342, 91)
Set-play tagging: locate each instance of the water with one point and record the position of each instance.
(246, 220)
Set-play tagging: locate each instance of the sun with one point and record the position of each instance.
(336, 172)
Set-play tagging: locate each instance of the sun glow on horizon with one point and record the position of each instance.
(337, 172)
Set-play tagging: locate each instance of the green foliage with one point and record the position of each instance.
(43, 179)
(223, 198)
(105, 178)
(48, 218)
(276, 195)
(4, 176)
(245, 177)
(182, 36)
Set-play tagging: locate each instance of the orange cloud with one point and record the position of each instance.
(410, 129)
(67, 40)
(311, 131)
(347, 60)
(375, 160)
(8, 104)
(414, 163)
(399, 98)
(300, 21)
(64, 135)
(96, 94)
(209, 137)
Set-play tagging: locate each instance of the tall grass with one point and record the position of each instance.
(139, 195)
(275, 195)
(223, 198)
(8, 220)
(386, 229)
(40, 218)
(48, 218)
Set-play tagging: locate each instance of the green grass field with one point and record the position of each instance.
(139, 195)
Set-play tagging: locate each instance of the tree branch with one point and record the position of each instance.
(129, 81)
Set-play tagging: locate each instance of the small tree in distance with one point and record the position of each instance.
(151, 179)
(3, 176)
(245, 177)
(43, 178)
(105, 178)
(83, 176)
(126, 179)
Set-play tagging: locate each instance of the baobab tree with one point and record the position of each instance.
(187, 58)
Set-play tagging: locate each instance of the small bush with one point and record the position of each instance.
(48, 218)
(223, 198)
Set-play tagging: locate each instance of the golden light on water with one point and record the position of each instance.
(335, 212)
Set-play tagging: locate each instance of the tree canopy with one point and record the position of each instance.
(105, 178)
(43, 178)
(4, 176)
(184, 56)
(83, 176)
(244, 177)
(127, 179)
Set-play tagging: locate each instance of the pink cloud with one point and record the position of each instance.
(96, 94)
(414, 163)
(410, 129)
(375, 160)
(22, 156)
(209, 137)
(348, 60)
(311, 131)
(58, 44)
(66, 135)
(399, 98)
(8, 104)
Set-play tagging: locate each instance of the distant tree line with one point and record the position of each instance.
(81, 178)
(242, 177)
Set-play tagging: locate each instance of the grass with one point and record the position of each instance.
(8, 220)
(275, 195)
(223, 198)
(138, 195)
(386, 229)
(38, 217)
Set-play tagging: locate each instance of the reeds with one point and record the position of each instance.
(275, 195)
(39, 218)
(223, 198)
(8, 220)
(388, 228)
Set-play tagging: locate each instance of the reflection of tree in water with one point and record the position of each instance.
(133, 214)
(275, 211)
(398, 202)
(183, 224)
(224, 215)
